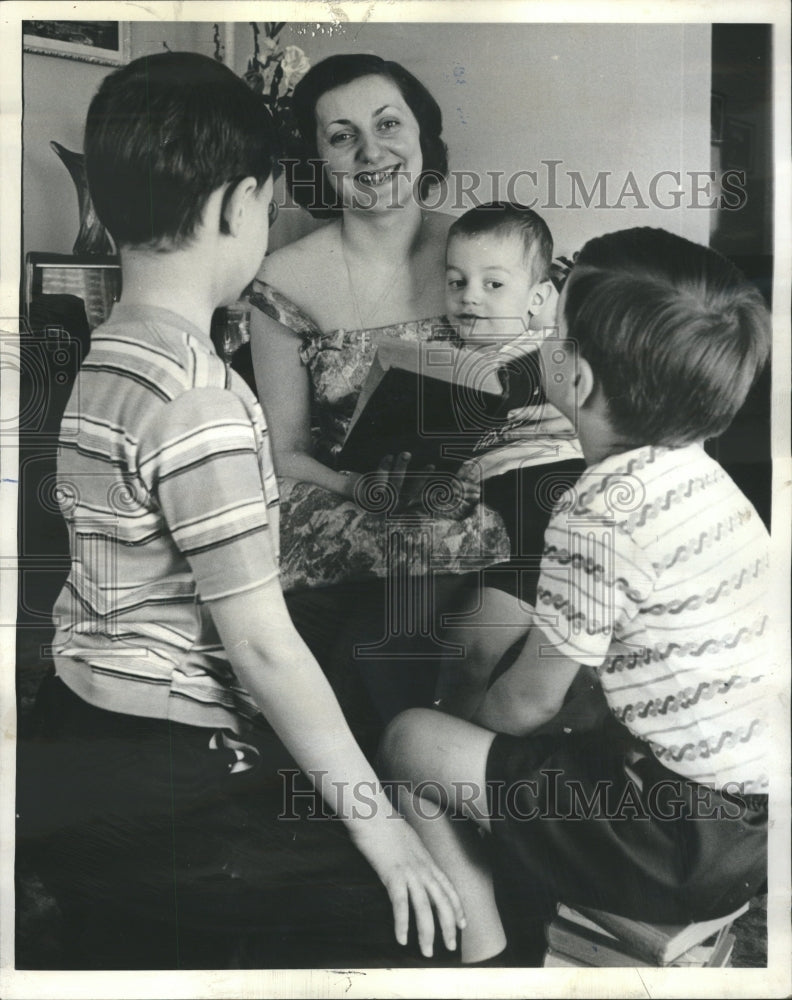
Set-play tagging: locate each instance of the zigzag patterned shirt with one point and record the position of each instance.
(166, 482)
(655, 571)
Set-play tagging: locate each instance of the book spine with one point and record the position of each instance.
(722, 952)
(574, 917)
(556, 960)
(637, 936)
(594, 949)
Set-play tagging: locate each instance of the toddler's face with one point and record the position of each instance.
(489, 290)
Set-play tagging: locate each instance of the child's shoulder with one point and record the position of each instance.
(160, 348)
(623, 484)
(654, 492)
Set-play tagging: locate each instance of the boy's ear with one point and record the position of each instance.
(540, 294)
(235, 202)
(585, 382)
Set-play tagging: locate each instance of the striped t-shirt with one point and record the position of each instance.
(655, 571)
(166, 482)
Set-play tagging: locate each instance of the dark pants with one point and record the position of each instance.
(159, 857)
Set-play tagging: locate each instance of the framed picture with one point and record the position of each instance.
(103, 42)
(738, 145)
(717, 108)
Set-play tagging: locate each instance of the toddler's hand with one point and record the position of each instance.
(530, 421)
(467, 490)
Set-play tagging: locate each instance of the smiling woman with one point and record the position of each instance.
(371, 151)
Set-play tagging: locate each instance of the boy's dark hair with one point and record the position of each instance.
(161, 135)
(672, 330)
(509, 217)
(305, 174)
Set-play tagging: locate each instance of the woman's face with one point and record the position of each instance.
(371, 143)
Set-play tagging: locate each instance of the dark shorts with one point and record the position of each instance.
(593, 818)
(524, 498)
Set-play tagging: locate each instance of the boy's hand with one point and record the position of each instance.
(407, 871)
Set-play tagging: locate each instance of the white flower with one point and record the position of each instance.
(295, 65)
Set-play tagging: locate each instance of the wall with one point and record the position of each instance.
(616, 98)
(619, 98)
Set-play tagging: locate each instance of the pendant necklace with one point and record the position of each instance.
(380, 299)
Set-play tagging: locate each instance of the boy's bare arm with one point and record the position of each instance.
(287, 684)
(532, 690)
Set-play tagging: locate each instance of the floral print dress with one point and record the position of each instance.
(327, 538)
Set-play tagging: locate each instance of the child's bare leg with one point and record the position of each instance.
(442, 762)
(486, 625)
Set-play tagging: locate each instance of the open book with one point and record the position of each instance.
(431, 399)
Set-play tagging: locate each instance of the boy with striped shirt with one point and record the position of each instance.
(147, 785)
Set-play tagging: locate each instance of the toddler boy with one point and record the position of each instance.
(498, 294)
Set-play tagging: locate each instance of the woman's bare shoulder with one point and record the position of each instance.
(286, 268)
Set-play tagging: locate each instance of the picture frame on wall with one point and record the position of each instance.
(105, 43)
(93, 278)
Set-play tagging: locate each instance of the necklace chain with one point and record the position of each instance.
(379, 299)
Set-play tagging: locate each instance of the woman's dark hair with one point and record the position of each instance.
(305, 173)
(673, 332)
(161, 135)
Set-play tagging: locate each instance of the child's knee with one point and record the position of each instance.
(402, 734)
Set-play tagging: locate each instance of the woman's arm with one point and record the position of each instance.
(285, 395)
(281, 675)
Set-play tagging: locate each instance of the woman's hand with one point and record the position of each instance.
(411, 877)
(424, 489)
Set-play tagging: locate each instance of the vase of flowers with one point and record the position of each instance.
(274, 70)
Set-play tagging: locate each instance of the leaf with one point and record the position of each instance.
(276, 79)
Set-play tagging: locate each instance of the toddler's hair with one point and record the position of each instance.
(673, 332)
(162, 134)
(511, 218)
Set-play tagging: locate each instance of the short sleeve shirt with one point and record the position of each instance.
(655, 572)
(166, 482)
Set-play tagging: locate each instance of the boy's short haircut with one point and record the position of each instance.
(511, 218)
(162, 134)
(673, 332)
